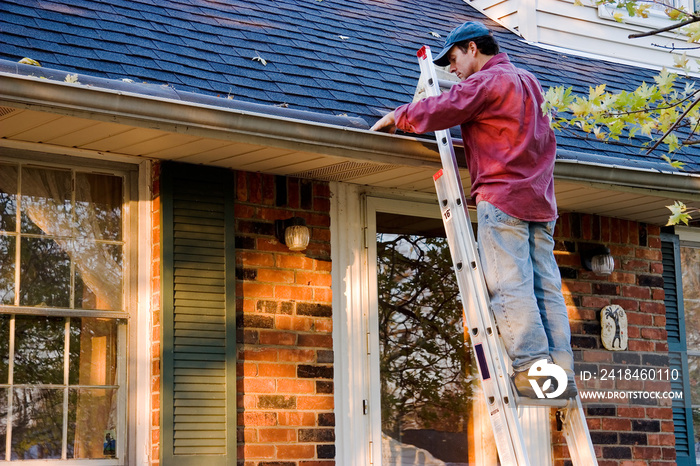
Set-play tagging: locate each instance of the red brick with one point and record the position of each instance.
(297, 418)
(277, 370)
(594, 301)
(259, 354)
(297, 355)
(615, 424)
(628, 305)
(653, 307)
(257, 290)
(654, 333)
(650, 254)
(296, 386)
(639, 319)
(315, 402)
(297, 262)
(298, 293)
(322, 189)
(256, 385)
(639, 292)
(275, 276)
(258, 451)
(323, 295)
(295, 451)
(313, 279)
(638, 345)
(573, 286)
(277, 435)
(650, 453)
(316, 341)
(257, 419)
(302, 324)
(277, 338)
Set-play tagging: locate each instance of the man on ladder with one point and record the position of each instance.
(510, 150)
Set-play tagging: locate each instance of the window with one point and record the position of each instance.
(63, 313)
(681, 260)
(690, 276)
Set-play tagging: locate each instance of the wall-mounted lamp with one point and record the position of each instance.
(293, 233)
(596, 258)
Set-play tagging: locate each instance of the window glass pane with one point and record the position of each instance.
(8, 197)
(44, 273)
(37, 423)
(93, 351)
(98, 275)
(92, 423)
(98, 206)
(46, 201)
(39, 347)
(690, 268)
(3, 422)
(4, 349)
(8, 246)
(428, 381)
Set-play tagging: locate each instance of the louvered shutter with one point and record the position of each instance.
(198, 377)
(675, 326)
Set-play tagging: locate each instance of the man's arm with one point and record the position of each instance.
(387, 123)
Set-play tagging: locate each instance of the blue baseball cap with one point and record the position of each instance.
(467, 31)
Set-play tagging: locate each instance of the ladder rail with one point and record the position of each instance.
(480, 326)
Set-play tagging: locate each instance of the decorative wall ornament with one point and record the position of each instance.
(613, 323)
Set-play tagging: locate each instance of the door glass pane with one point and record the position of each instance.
(3, 422)
(37, 423)
(8, 197)
(92, 423)
(39, 349)
(428, 381)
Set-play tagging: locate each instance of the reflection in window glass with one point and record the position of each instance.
(7, 269)
(690, 268)
(428, 382)
(4, 349)
(98, 276)
(98, 200)
(93, 357)
(44, 273)
(3, 423)
(39, 349)
(8, 197)
(37, 423)
(46, 201)
(91, 423)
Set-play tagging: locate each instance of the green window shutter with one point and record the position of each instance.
(678, 358)
(198, 375)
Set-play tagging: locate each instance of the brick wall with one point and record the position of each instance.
(285, 348)
(625, 432)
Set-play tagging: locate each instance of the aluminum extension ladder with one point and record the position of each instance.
(502, 401)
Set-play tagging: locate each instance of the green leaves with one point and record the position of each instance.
(679, 213)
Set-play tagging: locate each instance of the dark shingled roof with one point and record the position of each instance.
(333, 57)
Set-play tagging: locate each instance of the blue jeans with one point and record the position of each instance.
(524, 284)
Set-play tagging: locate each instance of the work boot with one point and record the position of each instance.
(521, 382)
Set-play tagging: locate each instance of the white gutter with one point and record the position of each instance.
(211, 121)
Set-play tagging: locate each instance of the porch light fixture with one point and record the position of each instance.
(597, 258)
(293, 233)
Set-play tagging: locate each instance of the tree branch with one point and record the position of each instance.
(692, 20)
(673, 126)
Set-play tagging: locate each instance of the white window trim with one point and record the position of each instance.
(353, 226)
(137, 417)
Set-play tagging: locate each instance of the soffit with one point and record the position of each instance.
(60, 133)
